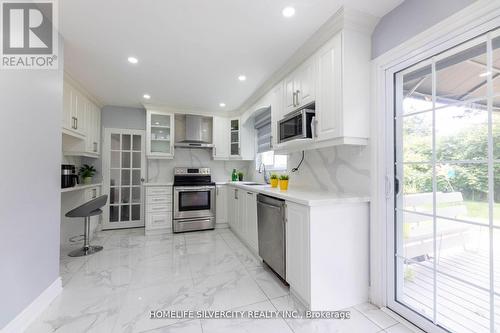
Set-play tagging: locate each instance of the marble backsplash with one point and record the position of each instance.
(160, 171)
(341, 169)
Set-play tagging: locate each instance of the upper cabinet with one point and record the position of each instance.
(159, 134)
(81, 122)
(221, 128)
(335, 82)
(300, 87)
(234, 138)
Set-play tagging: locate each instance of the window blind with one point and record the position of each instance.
(263, 127)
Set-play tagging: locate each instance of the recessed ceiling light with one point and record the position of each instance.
(133, 60)
(222, 105)
(485, 74)
(242, 78)
(288, 11)
(146, 96)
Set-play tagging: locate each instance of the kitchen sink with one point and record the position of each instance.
(255, 184)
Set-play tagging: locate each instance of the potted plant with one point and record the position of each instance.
(87, 172)
(240, 176)
(274, 180)
(284, 182)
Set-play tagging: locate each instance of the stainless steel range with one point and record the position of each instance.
(194, 200)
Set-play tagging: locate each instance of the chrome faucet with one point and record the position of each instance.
(262, 168)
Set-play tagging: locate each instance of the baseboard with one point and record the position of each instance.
(221, 225)
(150, 232)
(22, 321)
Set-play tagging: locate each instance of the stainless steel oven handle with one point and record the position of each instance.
(194, 188)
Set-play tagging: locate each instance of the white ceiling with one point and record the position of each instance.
(190, 51)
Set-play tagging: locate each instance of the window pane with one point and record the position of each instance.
(461, 307)
(136, 177)
(115, 141)
(115, 159)
(268, 158)
(160, 120)
(280, 162)
(462, 132)
(136, 194)
(125, 213)
(113, 195)
(125, 160)
(496, 134)
(417, 188)
(136, 212)
(496, 199)
(113, 213)
(136, 163)
(462, 76)
(137, 142)
(417, 137)
(463, 251)
(126, 142)
(114, 177)
(463, 191)
(417, 90)
(125, 197)
(125, 177)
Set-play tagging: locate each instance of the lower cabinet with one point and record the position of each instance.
(327, 254)
(297, 250)
(221, 209)
(158, 209)
(242, 216)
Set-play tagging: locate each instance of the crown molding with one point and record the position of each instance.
(166, 108)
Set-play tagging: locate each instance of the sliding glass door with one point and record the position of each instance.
(446, 258)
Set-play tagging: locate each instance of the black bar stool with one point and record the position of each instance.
(88, 209)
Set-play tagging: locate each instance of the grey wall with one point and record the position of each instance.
(30, 141)
(409, 19)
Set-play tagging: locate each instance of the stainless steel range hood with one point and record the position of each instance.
(196, 134)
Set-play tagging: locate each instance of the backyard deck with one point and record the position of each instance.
(461, 308)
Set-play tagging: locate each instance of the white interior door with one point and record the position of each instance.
(123, 173)
(444, 239)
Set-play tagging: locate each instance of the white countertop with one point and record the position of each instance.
(302, 196)
(79, 187)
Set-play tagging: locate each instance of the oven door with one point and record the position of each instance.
(194, 202)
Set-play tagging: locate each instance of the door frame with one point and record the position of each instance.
(106, 148)
(474, 20)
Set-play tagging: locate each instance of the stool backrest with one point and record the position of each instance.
(89, 206)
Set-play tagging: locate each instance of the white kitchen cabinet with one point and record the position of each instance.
(234, 138)
(81, 123)
(221, 139)
(160, 132)
(327, 254)
(93, 125)
(158, 209)
(221, 207)
(297, 250)
(249, 229)
(300, 86)
(73, 110)
(242, 216)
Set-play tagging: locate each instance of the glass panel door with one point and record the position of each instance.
(123, 165)
(160, 133)
(235, 137)
(447, 173)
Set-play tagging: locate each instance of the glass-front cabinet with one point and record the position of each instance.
(235, 138)
(160, 134)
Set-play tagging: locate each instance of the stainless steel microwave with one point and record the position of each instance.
(297, 125)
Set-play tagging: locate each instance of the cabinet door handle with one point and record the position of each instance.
(76, 123)
(294, 99)
(215, 151)
(297, 96)
(95, 147)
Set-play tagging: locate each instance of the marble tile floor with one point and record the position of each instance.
(115, 289)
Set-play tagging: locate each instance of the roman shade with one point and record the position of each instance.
(263, 127)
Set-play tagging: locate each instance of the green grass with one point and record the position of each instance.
(480, 209)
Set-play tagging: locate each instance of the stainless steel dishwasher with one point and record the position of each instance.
(271, 230)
